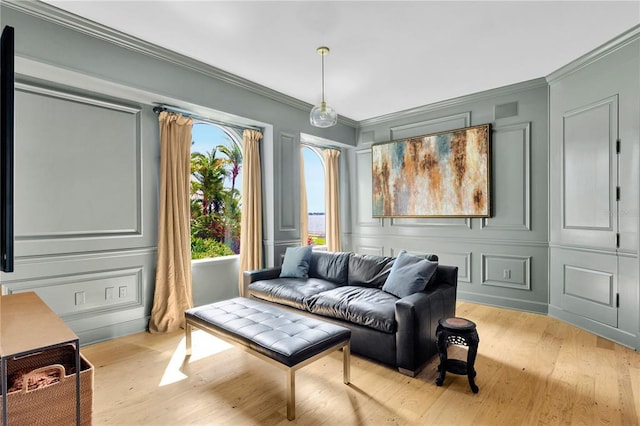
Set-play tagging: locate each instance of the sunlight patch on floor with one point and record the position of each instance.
(202, 346)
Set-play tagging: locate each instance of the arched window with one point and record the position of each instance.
(216, 179)
(314, 182)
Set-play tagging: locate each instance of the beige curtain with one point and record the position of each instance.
(332, 199)
(173, 271)
(251, 223)
(304, 211)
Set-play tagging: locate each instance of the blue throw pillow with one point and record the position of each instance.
(296, 262)
(409, 274)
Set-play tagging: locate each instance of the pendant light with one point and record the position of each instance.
(323, 115)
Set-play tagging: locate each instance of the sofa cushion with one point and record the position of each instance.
(329, 266)
(296, 262)
(369, 307)
(289, 291)
(368, 270)
(409, 274)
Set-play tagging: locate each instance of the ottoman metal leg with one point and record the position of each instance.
(346, 363)
(187, 333)
(291, 394)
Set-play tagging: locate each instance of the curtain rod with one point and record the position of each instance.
(158, 109)
(320, 146)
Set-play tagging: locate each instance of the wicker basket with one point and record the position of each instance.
(53, 404)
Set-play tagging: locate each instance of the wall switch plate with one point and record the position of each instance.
(506, 274)
(108, 293)
(122, 291)
(80, 298)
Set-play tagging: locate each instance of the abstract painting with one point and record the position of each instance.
(438, 175)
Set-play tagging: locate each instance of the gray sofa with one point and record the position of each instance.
(346, 289)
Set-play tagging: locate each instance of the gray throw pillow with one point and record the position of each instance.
(409, 274)
(296, 262)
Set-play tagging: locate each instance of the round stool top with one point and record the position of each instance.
(457, 324)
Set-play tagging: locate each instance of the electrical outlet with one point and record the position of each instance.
(122, 291)
(80, 298)
(506, 274)
(108, 293)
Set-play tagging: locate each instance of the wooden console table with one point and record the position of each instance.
(27, 326)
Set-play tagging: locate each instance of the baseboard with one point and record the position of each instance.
(504, 302)
(619, 336)
(112, 331)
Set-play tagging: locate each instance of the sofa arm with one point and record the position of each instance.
(417, 317)
(256, 275)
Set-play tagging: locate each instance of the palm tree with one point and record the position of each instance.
(234, 157)
(207, 192)
(209, 173)
(232, 196)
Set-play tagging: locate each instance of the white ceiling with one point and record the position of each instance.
(386, 56)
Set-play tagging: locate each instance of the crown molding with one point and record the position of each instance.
(598, 53)
(63, 18)
(473, 97)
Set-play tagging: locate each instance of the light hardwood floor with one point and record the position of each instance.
(531, 369)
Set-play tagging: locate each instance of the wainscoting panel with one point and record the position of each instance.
(461, 259)
(95, 293)
(481, 267)
(506, 271)
(88, 294)
(588, 284)
(511, 177)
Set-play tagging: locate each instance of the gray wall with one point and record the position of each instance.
(87, 164)
(593, 104)
(502, 260)
(568, 243)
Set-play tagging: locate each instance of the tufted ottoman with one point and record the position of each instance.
(285, 339)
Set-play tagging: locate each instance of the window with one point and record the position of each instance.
(216, 179)
(314, 182)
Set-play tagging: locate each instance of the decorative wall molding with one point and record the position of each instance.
(610, 126)
(455, 102)
(506, 271)
(363, 165)
(127, 122)
(608, 252)
(461, 240)
(574, 281)
(464, 267)
(289, 149)
(596, 54)
(31, 88)
(464, 223)
(88, 290)
(457, 121)
(371, 250)
(524, 129)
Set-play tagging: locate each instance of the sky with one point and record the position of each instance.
(314, 178)
(206, 137)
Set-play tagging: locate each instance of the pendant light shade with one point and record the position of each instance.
(323, 115)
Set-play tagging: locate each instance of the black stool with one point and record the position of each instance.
(457, 331)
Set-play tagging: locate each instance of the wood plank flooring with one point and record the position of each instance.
(531, 370)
